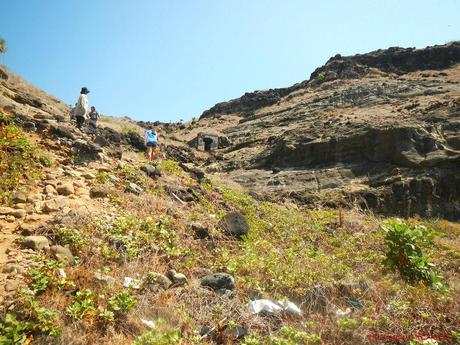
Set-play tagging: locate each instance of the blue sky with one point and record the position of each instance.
(169, 60)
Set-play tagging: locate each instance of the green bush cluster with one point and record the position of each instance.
(157, 338)
(34, 320)
(321, 76)
(404, 252)
(135, 237)
(75, 239)
(287, 335)
(86, 306)
(163, 334)
(18, 163)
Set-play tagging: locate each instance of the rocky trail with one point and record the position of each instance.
(60, 190)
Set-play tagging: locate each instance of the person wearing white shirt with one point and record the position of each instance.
(81, 110)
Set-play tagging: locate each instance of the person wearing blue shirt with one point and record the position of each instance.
(151, 141)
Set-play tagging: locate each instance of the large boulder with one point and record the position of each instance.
(219, 281)
(101, 191)
(62, 254)
(36, 242)
(151, 170)
(234, 224)
(83, 146)
(65, 188)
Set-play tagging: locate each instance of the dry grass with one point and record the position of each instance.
(345, 265)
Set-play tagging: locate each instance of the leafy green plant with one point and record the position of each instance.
(45, 160)
(18, 163)
(252, 339)
(291, 336)
(13, 331)
(46, 275)
(170, 166)
(102, 177)
(71, 237)
(130, 174)
(404, 243)
(155, 337)
(122, 302)
(83, 305)
(321, 76)
(348, 324)
(45, 321)
(35, 320)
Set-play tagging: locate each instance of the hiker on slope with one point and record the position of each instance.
(151, 141)
(81, 109)
(93, 116)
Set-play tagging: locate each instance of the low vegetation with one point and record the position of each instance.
(19, 162)
(355, 276)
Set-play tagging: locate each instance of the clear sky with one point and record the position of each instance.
(171, 59)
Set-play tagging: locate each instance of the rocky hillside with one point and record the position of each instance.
(377, 130)
(98, 246)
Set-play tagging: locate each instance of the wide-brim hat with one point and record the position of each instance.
(84, 90)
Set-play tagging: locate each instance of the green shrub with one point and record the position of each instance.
(155, 337)
(46, 275)
(102, 177)
(45, 160)
(404, 243)
(83, 306)
(13, 331)
(287, 335)
(122, 303)
(18, 163)
(36, 320)
(71, 237)
(321, 76)
(170, 166)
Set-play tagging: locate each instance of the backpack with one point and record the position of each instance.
(79, 109)
(151, 137)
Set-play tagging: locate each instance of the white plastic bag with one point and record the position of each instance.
(132, 283)
(263, 305)
(290, 308)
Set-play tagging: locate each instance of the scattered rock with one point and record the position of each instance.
(151, 171)
(201, 232)
(20, 198)
(62, 254)
(6, 210)
(101, 191)
(219, 281)
(12, 285)
(50, 190)
(34, 198)
(88, 176)
(194, 172)
(36, 242)
(154, 278)
(18, 213)
(11, 268)
(53, 205)
(65, 188)
(234, 224)
(178, 279)
(131, 187)
(104, 279)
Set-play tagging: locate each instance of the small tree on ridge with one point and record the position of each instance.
(2, 46)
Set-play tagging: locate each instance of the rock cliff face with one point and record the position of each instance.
(381, 130)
